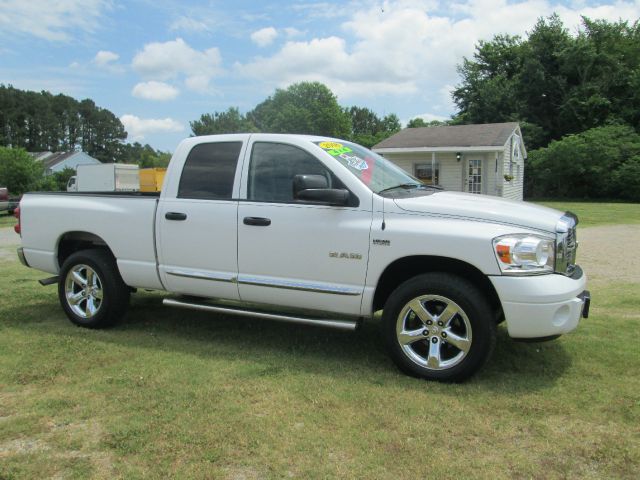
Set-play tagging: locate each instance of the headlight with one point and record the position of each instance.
(524, 254)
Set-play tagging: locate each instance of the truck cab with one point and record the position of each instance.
(72, 184)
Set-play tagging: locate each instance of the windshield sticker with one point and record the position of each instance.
(334, 149)
(330, 145)
(354, 162)
(368, 173)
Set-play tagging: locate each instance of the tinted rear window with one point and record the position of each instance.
(209, 171)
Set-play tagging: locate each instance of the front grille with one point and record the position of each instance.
(571, 250)
(566, 244)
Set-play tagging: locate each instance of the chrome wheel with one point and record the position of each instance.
(83, 291)
(434, 332)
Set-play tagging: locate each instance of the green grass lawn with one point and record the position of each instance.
(174, 393)
(593, 214)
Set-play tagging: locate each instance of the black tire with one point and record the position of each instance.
(461, 345)
(80, 299)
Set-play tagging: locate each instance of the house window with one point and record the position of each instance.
(425, 173)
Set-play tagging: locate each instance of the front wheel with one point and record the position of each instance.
(438, 326)
(91, 290)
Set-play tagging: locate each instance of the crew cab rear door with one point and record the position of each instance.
(196, 221)
(293, 253)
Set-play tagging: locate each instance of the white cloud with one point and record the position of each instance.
(411, 46)
(138, 127)
(104, 58)
(264, 37)
(107, 60)
(189, 24)
(175, 58)
(51, 20)
(292, 32)
(153, 90)
(325, 10)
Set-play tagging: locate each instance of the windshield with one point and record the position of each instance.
(375, 171)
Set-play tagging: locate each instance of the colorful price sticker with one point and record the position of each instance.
(329, 145)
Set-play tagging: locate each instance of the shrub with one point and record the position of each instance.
(600, 163)
(19, 171)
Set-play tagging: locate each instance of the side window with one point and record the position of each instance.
(272, 168)
(209, 171)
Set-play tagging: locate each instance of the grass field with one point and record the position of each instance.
(593, 214)
(172, 393)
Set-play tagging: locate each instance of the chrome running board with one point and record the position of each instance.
(320, 322)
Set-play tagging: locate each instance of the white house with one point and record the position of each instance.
(58, 161)
(487, 158)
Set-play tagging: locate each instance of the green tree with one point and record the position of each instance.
(144, 155)
(600, 163)
(41, 121)
(367, 128)
(230, 121)
(306, 107)
(416, 123)
(19, 171)
(553, 82)
(488, 91)
(60, 179)
(419, 122)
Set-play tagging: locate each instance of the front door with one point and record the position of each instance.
(298, 254)
(474, 176)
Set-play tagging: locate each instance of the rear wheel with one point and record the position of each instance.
(91, 290)
(438, 326)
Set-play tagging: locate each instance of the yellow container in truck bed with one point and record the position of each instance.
(151, 179)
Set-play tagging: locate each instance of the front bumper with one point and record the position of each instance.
(544, 305)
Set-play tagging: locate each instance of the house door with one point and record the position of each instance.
(474, 176)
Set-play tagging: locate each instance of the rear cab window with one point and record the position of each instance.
(209, 171)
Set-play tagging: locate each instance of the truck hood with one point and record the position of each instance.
(483, 207)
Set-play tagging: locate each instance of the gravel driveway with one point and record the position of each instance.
(8, 238)
(602, 251)
(607, 253)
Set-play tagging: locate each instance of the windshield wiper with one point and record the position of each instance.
(410, 186)
(406, 186)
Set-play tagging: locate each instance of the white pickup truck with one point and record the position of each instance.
(317, 231)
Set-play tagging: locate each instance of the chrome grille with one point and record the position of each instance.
(571, 249)
(566, 244)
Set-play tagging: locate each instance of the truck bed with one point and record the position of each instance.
(124, 221)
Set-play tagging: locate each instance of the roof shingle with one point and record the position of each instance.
(478, 135)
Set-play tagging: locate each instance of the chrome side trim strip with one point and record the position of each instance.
(261, 282)
(349, 325)
(214, 277)
(303, 286)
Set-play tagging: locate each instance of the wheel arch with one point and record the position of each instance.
(405, 268)
(71, 242)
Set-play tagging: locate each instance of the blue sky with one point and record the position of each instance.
(160, 64)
